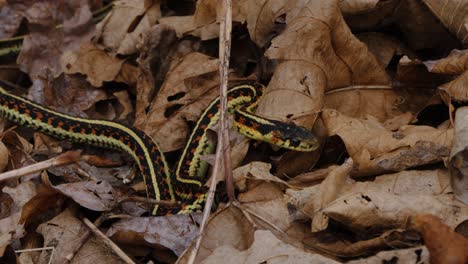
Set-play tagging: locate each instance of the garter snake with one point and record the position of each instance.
(186, 182)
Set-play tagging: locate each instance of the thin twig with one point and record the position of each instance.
(108, 242)
(165, 203)
(52, 249)
(61, 160)
(223, 148)
(83, 238)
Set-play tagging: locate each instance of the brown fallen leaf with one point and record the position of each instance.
(409, 255)
(455, 64)
(378, 150)
(93, 62)
(444, 245)
(124, 27)
(458, 156)
(41, 49)
(175, 232)
(453, 16)
(97, 196)
(189, 87)
(331, 58)
(254, 171)
(371, 210)
(3, 156)
(63, 233)
(341, 246)
(266, 248)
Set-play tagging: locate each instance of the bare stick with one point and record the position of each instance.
(165, 203)
(61, 160)
(108, 242)
(83, 238)
(223, 148)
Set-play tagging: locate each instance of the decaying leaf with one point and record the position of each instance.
(97, 196)
(228, 227)
(378, 150)
(64, 233)
(453, 15)
(266, 248)
(123, 29)
(455, 64)
(458, 156)
(444, 245)
(174, 232)
(410, 255)
(190, 86)
(373, 210)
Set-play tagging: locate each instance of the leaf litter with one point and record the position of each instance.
(383, 93)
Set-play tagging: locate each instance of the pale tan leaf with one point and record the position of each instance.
(227, 227)
(190, 86)
(3, 156)
(452, 13)
(456, 63)
(379, 150)
(64, 232)
(123, 29)
(458, 156)
(93, 62)
(175, 232)
(265, 249)
(329, 191)
(256, 171)
(320, 54)
(372, 210)
(97, 196)
(409, 255)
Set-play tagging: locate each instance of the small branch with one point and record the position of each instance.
(61, 160)
(83, 238)
(165, 203)
(108, 242)
(223, 148)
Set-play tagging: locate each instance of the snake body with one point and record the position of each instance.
(186, 182)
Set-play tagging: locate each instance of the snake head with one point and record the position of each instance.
(295, 137)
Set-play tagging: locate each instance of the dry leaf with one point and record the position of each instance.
(189, 87)
(330, 58)
(64, 233)
(456, 63)
(41, 50)
(93, 62)
(122, 31)
(265, 249)
(346, 247)
(378, 150)
(174, 232)
(3, 156)
(409, 255)
(375, 210)
(256, 171)
(227, 227)
(458, 156)
(452, 14)
(97, 196)
(444, 245)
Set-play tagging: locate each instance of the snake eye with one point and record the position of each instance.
(295, 142)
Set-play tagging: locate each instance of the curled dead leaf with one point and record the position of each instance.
(378, 150)
(445, 245)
